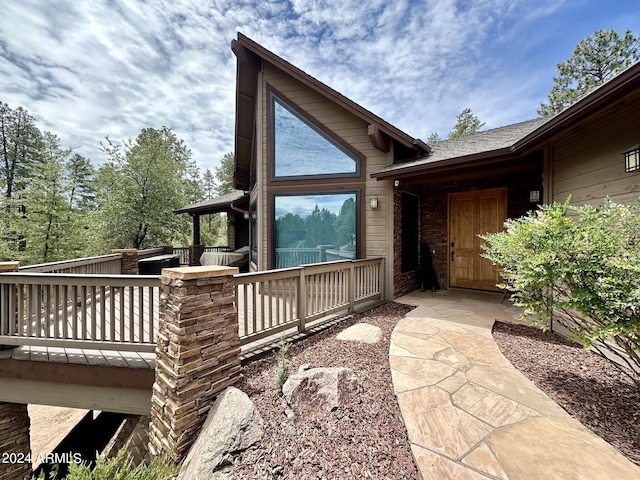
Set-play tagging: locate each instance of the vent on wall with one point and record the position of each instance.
(632, 159)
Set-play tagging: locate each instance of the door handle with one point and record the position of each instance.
(452, 255)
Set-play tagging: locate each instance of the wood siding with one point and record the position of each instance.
(346, 126)
(588, 161)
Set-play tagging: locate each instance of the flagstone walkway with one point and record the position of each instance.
(470, 414)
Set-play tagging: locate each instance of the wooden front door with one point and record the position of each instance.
(472, 214)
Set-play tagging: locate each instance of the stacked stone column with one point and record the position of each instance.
(14, 442)
(197, 353)
(195, 252)
(129, 260)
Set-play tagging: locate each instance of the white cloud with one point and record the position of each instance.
(109, 67)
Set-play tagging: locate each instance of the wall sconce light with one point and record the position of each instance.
(245, 215)
(254, 216)
(632, 160)
(229, 222)
(373, 201)
(534, 196)
(396, 183)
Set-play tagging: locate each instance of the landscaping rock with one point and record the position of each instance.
(361, 332)
(304, 367)
(233, 424)
(316, 391)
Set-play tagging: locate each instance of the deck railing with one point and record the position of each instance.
(107, 312)
(273, 301)
(102, 265)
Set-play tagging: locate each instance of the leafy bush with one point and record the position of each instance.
(282, 364)
(121, 467)
(579, 266)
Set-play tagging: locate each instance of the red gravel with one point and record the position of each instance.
(587, 386)
(365, 439)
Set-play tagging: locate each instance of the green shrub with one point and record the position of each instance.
(121, 467)
(579, 266)
(282, 364)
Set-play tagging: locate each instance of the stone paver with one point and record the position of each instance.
(470, 414)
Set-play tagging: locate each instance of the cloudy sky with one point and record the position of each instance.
(87, 69)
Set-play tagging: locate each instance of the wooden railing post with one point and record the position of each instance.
(7, 302)
(198, 353)
(351, 287)
(302, 299)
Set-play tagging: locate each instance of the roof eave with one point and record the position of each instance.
(453, 163)
(582, 107)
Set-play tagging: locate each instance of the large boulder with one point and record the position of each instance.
(316, 391)
(233, 424)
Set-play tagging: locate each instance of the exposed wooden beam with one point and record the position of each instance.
(378, 138)
(108, 399)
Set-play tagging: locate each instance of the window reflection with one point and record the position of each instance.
(300, 149)
(314, 228)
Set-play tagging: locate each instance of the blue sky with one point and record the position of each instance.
(87, 69)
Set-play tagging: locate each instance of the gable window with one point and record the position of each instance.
(302, 149)
(314, 228)
(632, 160)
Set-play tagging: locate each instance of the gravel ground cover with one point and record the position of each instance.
(587, 386)
(365, 439)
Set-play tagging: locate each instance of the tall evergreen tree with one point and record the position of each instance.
(595, 60)
(466, 124)
(144, 181)
(224, 175)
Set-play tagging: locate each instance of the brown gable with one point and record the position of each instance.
(250, 56)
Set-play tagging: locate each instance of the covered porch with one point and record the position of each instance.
(235, 206)
(443, 202)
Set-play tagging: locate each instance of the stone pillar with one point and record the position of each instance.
(129, 260)
(197, 353)
(6, 267)
(14, 442)
(195, 252)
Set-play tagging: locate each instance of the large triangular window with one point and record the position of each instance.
(302, 149)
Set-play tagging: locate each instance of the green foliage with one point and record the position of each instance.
(138, 189)
(121, 467)
(320, 228)
(282, 364)
(466, 124)
(433, 138)
(224, 175)
(578, 266)
(595, 60)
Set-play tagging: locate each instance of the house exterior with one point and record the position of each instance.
(327, 179)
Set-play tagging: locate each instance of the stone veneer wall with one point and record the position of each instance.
(408, 281)
(197, 353)
(14, 439)
(195, 252)
(434, 210)
(129, 260)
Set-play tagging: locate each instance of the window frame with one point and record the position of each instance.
(315, 125)
(301, 193)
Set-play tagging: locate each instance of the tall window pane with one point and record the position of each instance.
(314, 228)
(300, 149)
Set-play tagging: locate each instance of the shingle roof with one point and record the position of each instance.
(495, 140)
(220, 203)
